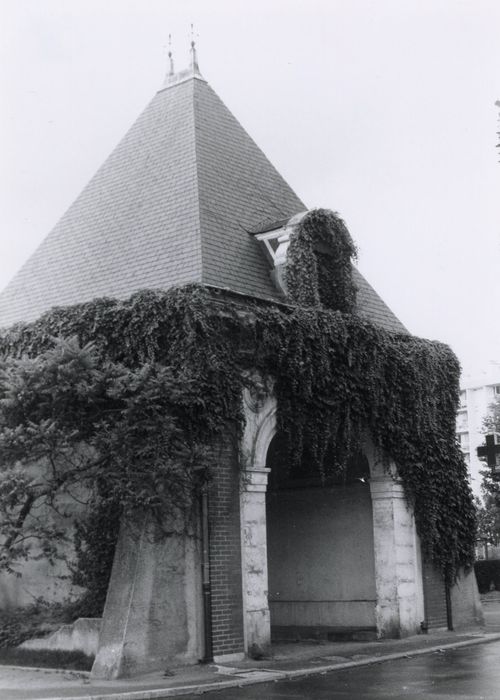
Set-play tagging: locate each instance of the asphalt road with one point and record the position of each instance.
(469, 673)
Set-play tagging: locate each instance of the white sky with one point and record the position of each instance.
(382, 110)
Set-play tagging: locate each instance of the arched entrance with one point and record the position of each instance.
(344, 557)
(321, 567)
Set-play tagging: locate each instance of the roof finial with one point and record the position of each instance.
(171, 60)
(194, 59)
(173, 78)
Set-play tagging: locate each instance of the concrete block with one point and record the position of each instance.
(153, 608)
(82, 635)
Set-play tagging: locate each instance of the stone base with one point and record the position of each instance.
(295, 633)
(229, 658)
(466, 608)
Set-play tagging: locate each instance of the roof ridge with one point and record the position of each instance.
(197, 179)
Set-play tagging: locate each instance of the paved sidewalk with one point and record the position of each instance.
(287, 661)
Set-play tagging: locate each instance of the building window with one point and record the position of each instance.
(463, 399)
(496, 389)
(462, 421)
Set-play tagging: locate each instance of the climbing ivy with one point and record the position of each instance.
(319, 270)
(95, 540)
(336, 374)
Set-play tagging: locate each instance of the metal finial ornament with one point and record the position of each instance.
(171, 60)
(194, 59)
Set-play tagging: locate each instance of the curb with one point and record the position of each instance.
(269, 675)
(11, 667)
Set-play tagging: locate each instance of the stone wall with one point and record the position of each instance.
(38, 577)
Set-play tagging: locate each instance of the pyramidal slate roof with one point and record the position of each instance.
(172, 204)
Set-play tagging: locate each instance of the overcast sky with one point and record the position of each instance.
(381, 110)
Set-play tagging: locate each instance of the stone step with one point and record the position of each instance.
(291, 633)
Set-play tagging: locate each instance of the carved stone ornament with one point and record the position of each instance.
(258, 389)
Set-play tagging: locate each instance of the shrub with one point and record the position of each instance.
(487, 571)
(19, 624)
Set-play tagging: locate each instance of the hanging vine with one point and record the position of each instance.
(336, 375)
(319, 263)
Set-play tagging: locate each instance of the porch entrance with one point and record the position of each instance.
(320, 552)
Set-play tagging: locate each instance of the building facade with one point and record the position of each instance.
(477, 393)
(187, 196)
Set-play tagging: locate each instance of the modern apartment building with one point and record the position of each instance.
(477, 394)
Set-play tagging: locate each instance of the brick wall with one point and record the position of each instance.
(434, 597)
(225, 552)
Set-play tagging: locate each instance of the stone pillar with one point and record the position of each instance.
(259, 406)
(254, 561)
(398, 577)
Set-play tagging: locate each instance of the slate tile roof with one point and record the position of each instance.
(372, 307)
(172, 204)
(238, 186)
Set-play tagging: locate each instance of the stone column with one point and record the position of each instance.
(254, 561)
(259, 406)
(398, 577)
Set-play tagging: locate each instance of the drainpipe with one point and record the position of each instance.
(449, 615)
(205, 573)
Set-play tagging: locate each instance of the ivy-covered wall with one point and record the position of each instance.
(336, 375)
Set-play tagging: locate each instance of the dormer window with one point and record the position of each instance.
(274, 239)
(275, 245)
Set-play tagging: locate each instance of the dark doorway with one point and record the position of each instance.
(320, 550)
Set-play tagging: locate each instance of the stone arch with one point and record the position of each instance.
(265, 433)
(398, 578)
(260, 427)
